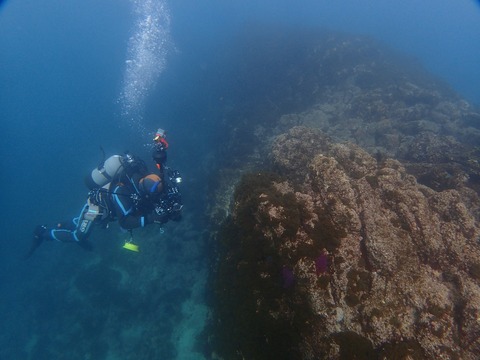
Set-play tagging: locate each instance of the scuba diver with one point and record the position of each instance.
(122, 188)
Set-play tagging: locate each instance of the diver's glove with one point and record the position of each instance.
(39, 235)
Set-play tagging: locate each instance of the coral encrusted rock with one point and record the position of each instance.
(335, 254)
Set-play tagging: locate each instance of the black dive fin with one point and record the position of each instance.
(36, 242)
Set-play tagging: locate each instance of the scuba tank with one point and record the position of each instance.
(105, 172)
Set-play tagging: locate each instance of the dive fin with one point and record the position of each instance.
(38, 237)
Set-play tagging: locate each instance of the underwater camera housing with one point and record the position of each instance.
(175, 177)
(171, 201)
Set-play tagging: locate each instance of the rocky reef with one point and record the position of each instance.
(350, 230)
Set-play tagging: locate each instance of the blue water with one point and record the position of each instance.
(75, 76)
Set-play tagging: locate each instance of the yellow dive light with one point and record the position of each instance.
(131, 246)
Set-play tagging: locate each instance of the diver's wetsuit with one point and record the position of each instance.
(120, 200)
(115, 195)
(131, 214)
(117, 204)
(77, 229)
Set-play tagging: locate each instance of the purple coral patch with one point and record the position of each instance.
(288, 277)
(321, 264)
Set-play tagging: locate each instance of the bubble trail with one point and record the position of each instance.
(148, 48)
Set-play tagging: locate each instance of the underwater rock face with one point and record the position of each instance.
(399, 261)
(348, 222)
(432, 140)
(355, 89)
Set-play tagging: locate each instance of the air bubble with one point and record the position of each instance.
(147, 52)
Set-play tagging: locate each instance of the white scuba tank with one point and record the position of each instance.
(103, 174)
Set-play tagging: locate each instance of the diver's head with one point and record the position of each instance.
(150, 185)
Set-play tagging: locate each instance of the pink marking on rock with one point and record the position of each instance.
(321, 264)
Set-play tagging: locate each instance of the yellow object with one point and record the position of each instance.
(130, 246)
